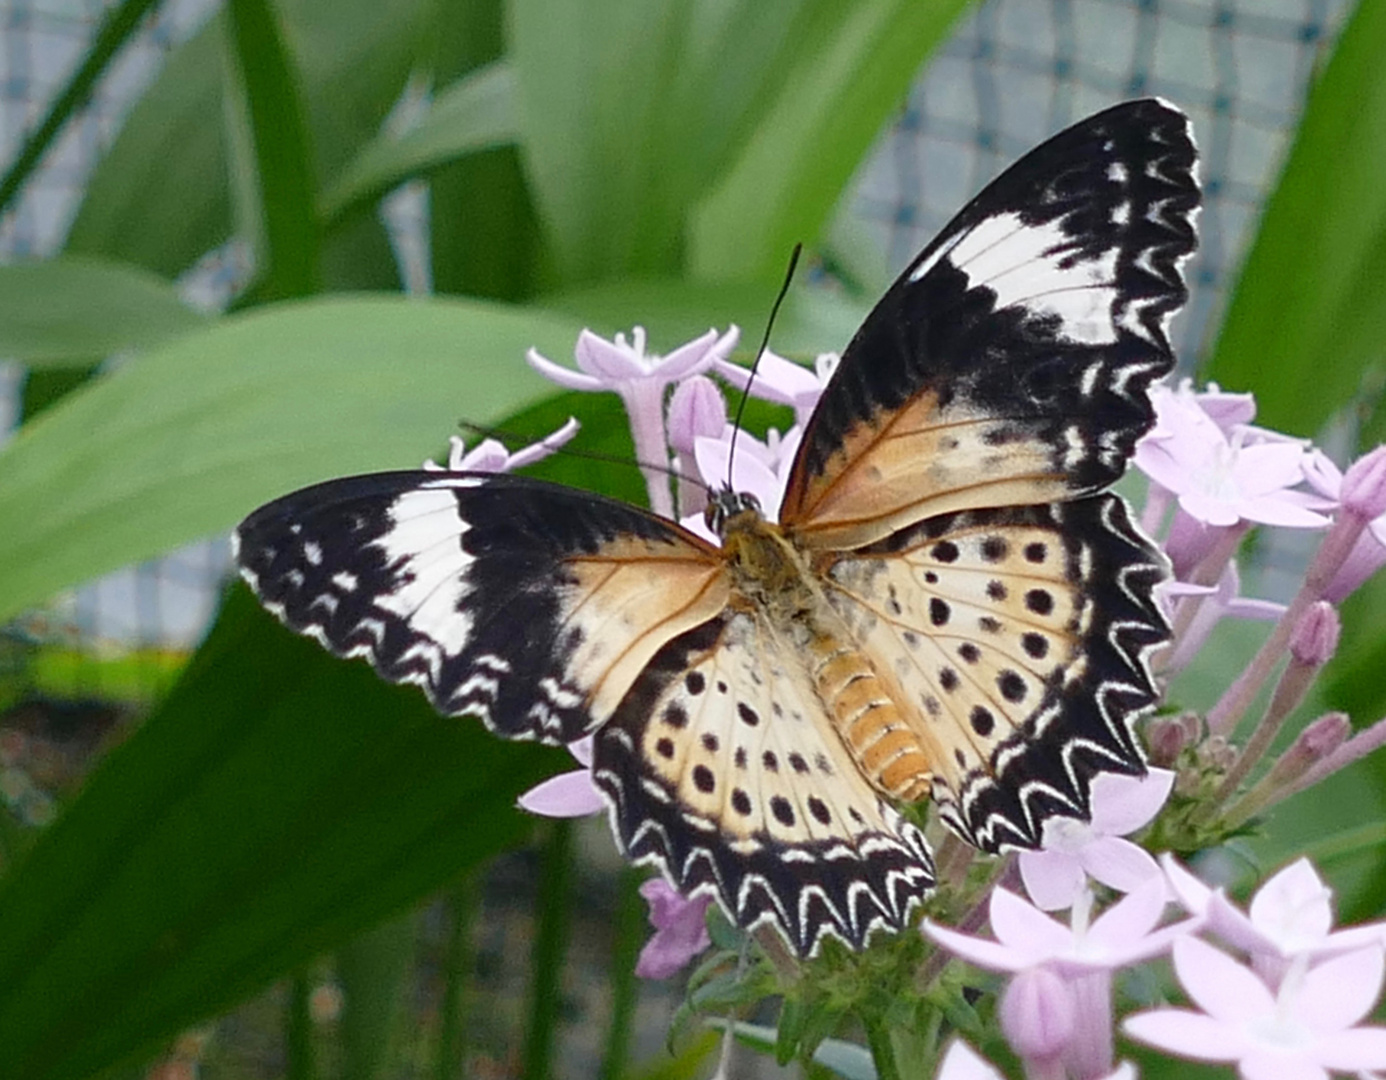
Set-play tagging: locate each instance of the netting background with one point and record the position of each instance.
(1013, 72)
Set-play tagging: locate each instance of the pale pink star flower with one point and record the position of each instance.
(569, 794)
(1305, 1030)
(1084, 954)
(680, 930)
(1219, 478)
(491, 456)
(1074, 850)
(783, 381)
(624, 367)
(1290, 918)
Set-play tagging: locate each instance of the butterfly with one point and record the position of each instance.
(949, 606)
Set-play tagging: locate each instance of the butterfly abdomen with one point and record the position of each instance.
(871, 725)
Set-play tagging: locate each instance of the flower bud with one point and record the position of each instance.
(1037, 1014)
(696, 409)
(1167, 736)
(1364, 485)
(1314, 639)
(1318, 739)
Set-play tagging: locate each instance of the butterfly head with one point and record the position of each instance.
(726, 505)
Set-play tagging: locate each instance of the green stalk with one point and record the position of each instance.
(551, 939)
(458, 962)
(630, 934)
(120, 23)
(298, 1034)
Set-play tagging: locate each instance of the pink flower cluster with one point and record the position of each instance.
(1283, 994)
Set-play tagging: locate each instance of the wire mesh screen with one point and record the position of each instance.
(1013, 72)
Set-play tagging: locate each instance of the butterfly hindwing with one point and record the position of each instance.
(525, 603)
(723, 768)
(1017, 642)
(1010, 362)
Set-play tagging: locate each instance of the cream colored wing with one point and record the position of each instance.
(723, 769)
(1014, 643)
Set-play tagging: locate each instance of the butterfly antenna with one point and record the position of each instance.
(503, 436)
(755, 364)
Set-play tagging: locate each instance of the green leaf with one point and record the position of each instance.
(848, 72)
(68, 309)
(376, 970)
(278, 803)
(476, 113)
(630, 113)
(1307, 321)
(674, 311)
(184, 441)
(845, 1059)
(160, 197)
(117, 27)
(274, 172)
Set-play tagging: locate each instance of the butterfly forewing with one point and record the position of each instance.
(724, 769)
(1016, 641)
(527, 604)
(1010, 362)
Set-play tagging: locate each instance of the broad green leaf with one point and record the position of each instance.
(120, 23)
(477, 113)
(1307, 322)
(484, 233)
(810, 321)
(846, 79)
(160, 196)
(187, 439)
(67, 309)
(273, 171)
(278, 803)
(630, 113)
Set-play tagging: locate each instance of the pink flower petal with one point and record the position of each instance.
(1219, 985)
(1263, 469)
(612, 361)
(565, 377)
(1187, 1033)
(961, 1062)
(697, 356)
(1190, 892)
(990, 955)
(1340, 992)
(1122, 804)
(1122, 933)
(1053, 879)
(1118, 863)
(582, 750)
(749, 471)
(1294, 908)
(1277, 1063)
(569, 794)
(1024, 928)
(1358, 1048)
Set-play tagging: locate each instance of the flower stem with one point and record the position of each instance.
(629, 932)
(451, 1049)
(1222, 718)
(546, 983)
(882, 1049)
